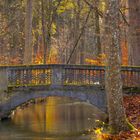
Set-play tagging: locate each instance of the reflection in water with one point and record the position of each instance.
(55, 117)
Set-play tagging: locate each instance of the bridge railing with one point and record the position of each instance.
(83, 75)
(36, 75)
(29, 76)
(131, 76)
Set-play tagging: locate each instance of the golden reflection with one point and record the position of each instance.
(56, 115)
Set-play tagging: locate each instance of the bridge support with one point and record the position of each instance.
(56, 77)
(3, 79)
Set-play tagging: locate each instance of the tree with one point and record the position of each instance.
(134, 32)
(97, 30)
(113, 83)
(44, 30)
(28, 33)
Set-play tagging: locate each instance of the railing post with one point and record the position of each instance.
(3, 79)
(57, 76)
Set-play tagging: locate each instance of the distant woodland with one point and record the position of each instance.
(64, 31)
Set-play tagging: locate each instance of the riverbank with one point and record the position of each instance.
(132, 107)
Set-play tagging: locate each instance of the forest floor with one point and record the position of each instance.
(132, 106)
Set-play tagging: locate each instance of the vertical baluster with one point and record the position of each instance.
(62, 80)
(45, 77)
(38, 76)
(89, 76)
(86, 77)
(20, 78)
(127, 76)
(31, 76)
(16, 77)
(74, 78)
(25, 76)
(77, 76)
(80, 76)
(48, 77)
(11, 77)
(92, 76)
(34, 75)
(70, 77)
(66, 76)
(49, 71)
(104, 78)
(50, 74)
(132, 78)
(28, 76)
(24, 82)
(122, 77)
(100, 77)
(101, 81)
(138, 78)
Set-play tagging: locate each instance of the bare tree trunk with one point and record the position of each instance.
(28, 33)
(82, 49)
(117, 118)
(97, 31)
(134, 32)
(49, 27)
(76, 25)
(44, 35)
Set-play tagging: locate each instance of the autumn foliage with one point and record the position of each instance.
(132, 106)
(100, 59)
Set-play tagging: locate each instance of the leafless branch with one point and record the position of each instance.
(124, 18)
(94, 8)
(82, 31)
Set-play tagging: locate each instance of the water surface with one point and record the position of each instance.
(56, 118)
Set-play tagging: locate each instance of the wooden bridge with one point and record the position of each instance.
(85, 82)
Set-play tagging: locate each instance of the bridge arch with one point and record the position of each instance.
(96, 97)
